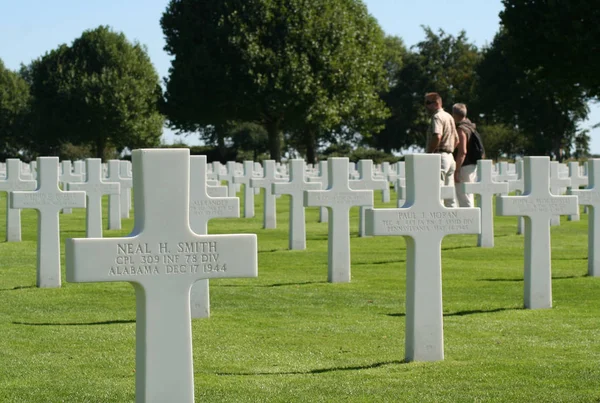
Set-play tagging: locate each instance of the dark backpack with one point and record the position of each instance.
(475, 149)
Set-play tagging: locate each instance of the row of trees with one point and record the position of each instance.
(266, 76)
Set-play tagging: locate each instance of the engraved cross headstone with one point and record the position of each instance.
(338, 198)
(114, 199)
(538, 206)
(248, 191)
(557, 185)
(424, 221)
(203, 207)
(48, 199)
(228, 177)
(66, 176)
(94, 188)
(323, 179)
(295, 188)
(485, 188)
(266, 182)
(369, 182)
(12, 182)
(577, 180)
(162, 258)
(126, 181)
(591, 197)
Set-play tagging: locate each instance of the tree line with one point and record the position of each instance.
(268, 78)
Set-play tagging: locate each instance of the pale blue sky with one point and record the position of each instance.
(29, 28)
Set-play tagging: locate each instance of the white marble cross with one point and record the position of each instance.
(338, 198)
(162, 258)
(538, 206)
(248, 191)
(12, 182)
(386, 171)
(485, 188)
(204, 207)
(557, 185)
(518, 186)
(369, 182)
(591, 197)
(323, 179)
(114, 199)
(577, 180)
(503, 174)
(424, 221)
(228, 177)
(48, 199)
(266, 182)
(295, 188)
(94, 188)
(126, 181)
(67, 175)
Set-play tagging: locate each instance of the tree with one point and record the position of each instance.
(14, 109)
(546, 115)
(286, 64)
(102, 90)
(441, 63)
(558, 39)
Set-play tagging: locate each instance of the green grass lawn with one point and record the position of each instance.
(289, 336)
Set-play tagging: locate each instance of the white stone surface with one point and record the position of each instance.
(94, 188)
(13, 182)
(48, 199)
(228, 177)
(162, 258)
(518, 186)
(424, 221)
(367, 181)
(323, 179)
(126, 182)
(266, 182)
(590, 197)
(114, 199)
(538, 206)
(66, 176)
(295, 188)
(386, 171)
(484, 189)
(248, 190)
(558, 186)
(204, 207)
(338, 198)
(577, 180)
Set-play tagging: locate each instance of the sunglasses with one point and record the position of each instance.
(429, 102)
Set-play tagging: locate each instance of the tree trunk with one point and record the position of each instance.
(311, 152)
(274, 139)
(100, 146)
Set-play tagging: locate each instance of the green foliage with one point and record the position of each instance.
(546, 115)
(557, 39)
(102, 91)
(502, 141)
(441, 63)
(14, 109)
(357, 154)
(289, 336)
(286, 64)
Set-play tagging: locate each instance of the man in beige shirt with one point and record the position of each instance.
(442, 139)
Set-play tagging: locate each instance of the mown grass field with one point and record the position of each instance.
(289, 336)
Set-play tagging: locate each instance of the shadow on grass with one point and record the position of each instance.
(460, 247)
(382, 262)
(316, 371)
(520, 279)
(271, 285)
(270, 250)
(462, 313)
(108, 322)
(19, 287)
(476, 311)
